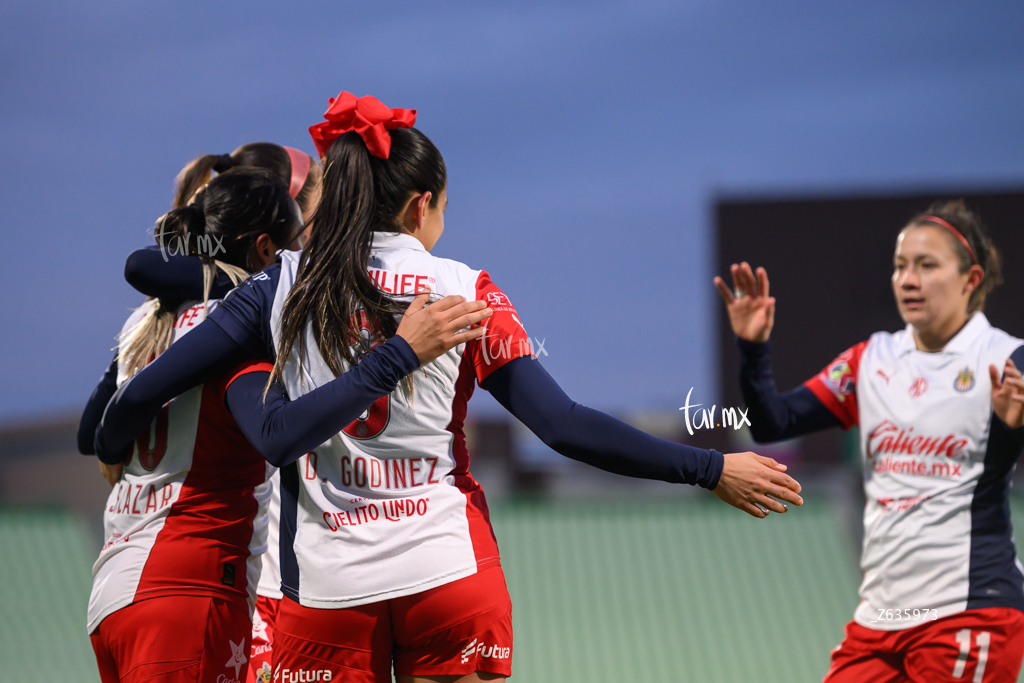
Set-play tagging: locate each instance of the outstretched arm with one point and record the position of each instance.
(283, 431)
(527, 391)
(172, 276)
(745, 480)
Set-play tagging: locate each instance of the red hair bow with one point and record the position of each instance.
(365, 115)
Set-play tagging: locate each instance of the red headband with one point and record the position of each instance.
(300, 170)
(956, 233)
(365, 115)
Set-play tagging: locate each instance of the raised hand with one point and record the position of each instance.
(432, 330)
(751, 310)
(1008, 394)
(750, 480)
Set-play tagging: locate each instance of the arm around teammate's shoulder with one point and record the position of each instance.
(284, 430)
(155, 272)
(202, 354)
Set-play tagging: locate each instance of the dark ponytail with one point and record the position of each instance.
(181, 226)
(362, 194)
(968, 223)
(221, 226)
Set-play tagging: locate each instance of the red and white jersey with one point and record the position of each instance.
(388, 507)
(937, 472)
(189, 515)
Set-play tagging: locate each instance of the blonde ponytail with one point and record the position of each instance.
(151, 336)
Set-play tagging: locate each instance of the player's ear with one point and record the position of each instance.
(421, 208)
(265, 250)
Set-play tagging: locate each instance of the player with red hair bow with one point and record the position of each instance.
(389, 558)
(367, 116)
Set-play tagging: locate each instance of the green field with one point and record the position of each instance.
(655, 591)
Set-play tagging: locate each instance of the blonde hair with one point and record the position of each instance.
(151, 336)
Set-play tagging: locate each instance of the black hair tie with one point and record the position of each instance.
(224, 162)
(196, 229)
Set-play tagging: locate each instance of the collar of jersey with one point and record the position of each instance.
(396, 240)
(960, 343)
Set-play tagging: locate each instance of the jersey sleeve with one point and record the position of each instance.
(154, 272)
(505, 338)
(1018, 357)
(243, 368)
(245, 313)
(836, 385)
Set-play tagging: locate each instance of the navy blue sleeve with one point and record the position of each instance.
(244, 314)
(154, 272)
(1018, 358)
(94, 409)
(283, 431)
(204, 353)
(774, 417)
(1016, 434)
(527, 391)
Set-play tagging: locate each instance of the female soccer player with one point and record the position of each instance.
(387, 553)
(157, 273)
(186, 522)
(175, 582)
(940, 434)
(150, 271)
(173, 277)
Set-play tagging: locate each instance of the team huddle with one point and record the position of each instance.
(282, 425)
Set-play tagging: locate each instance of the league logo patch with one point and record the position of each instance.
(839, 378)
(964, 380)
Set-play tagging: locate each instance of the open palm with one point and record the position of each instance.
(751, 310)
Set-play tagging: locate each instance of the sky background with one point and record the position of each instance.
(585, 143)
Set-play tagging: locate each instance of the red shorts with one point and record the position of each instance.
(175, 638)
(263, 620)
(979, 645)
(452, 630)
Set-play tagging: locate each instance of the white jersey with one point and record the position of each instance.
(387, 507)
(270, 577)
(189, 515)
(937, 470)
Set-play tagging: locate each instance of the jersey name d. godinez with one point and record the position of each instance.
(188, 517)
(387, 507)
(938, 465)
